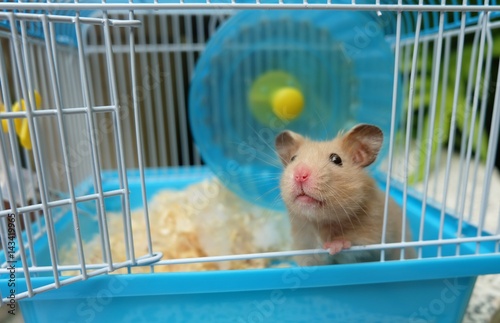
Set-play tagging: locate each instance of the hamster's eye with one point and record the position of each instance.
(293, 158)
(334, 158)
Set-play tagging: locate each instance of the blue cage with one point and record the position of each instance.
(137, 166)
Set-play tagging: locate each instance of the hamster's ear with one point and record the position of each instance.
(287, 143)
(363, 143)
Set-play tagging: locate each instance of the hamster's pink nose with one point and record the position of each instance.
(302, 173)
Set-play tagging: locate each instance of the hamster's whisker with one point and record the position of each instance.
(339, 203)
(268, 192)
(260, 137)
(330, 203)
(326, 164)
(354, 213)
(356, 206)
(276, 200)
(257, 179)
(301, 229)
(340, 225)
(273, 161)
(329, 236)
(345, 195)
(292, 218)
(276, 175)
(317, 225)
(359, 206)
(342, 206)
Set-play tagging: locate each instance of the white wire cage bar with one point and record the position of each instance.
(434, 6)
(113, 85)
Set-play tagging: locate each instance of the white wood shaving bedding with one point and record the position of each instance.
(205, 219)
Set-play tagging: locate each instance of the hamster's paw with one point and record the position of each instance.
(337, 246)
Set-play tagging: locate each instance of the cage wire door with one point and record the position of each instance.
(108, 95)
(95, 109)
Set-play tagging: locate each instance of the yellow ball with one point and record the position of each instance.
(287, 103)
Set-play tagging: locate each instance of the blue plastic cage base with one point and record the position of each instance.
(416, 291)
(425, 290)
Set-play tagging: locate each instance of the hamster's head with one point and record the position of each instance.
(322, 179)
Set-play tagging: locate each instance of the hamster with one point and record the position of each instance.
(332, 201)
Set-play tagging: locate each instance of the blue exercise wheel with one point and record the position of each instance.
(312, 72)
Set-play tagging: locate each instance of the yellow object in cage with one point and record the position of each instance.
(287, 103)
(276, 94)
(21, 125)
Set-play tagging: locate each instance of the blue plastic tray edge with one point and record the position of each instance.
(279, 278)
